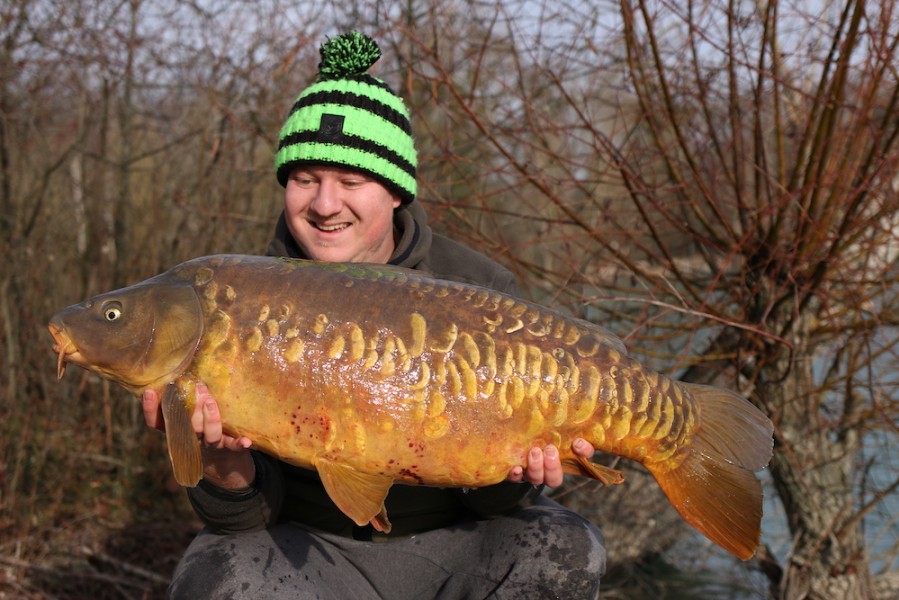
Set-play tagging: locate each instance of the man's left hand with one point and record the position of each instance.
(544, 466)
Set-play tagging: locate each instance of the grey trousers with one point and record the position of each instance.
(544, 551)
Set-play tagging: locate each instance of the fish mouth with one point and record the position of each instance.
(64, 347)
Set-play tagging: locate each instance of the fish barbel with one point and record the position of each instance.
(374, 375)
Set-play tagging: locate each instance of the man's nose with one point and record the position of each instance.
(327, 199)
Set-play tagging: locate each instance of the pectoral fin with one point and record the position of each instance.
(359, 495)
(584, 467)
(184, 447)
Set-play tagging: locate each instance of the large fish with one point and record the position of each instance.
(374, 375)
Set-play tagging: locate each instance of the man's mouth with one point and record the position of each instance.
(329, 228)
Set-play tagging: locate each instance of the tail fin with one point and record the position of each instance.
(715, 488)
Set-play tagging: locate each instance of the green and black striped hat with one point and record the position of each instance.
(350, 119)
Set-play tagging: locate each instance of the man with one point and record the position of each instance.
(347, 162)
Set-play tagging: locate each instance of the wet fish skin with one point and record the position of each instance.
(374, 375)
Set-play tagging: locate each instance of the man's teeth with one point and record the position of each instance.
(330, 227)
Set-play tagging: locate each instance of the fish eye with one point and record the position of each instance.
(112, 311)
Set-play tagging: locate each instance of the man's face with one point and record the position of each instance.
(337, 215)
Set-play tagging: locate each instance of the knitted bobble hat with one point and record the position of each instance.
(350, 119)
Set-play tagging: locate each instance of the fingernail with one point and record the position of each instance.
(578, 444)
(535, 453)
(551, 452)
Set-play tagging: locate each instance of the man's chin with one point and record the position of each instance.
(332, 252)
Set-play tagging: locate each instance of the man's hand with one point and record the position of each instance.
(544, 465)
(226, 460)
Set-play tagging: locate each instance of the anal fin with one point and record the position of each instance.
(586, 468)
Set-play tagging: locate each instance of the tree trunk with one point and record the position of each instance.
(812, 470)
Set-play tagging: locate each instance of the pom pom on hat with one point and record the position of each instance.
(349, 54)
(350, 119)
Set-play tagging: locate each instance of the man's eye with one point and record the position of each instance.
(301, 179)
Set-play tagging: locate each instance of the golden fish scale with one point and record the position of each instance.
(471, 379)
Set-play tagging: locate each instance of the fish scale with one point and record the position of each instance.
(376, 376)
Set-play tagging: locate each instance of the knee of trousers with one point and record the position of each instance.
(236, 566)
(556, 541)
(568, 561)
(575, 536)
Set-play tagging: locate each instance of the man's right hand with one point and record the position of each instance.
(226, 460)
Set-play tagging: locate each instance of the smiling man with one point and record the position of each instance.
(339, 215)
(347, 162)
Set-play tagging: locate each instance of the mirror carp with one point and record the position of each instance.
(375, 375)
